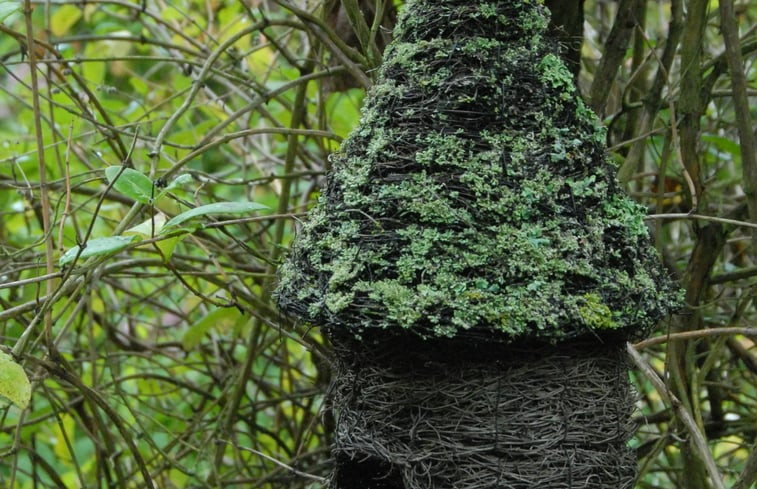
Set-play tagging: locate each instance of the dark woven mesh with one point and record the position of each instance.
(440, 415)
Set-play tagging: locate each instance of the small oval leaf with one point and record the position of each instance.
(97, 247)
(131, 183)
(14, 384)
(148, 228)
(215, 208)
(8, 8)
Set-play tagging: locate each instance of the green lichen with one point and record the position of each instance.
(475, 195)
(555, 74)
(595, 314)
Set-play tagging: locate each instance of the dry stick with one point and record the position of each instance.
(26, 281)
(197, 85)
(363, 32)
(254, 104)
(67, 193)
(690, 104)
(281, 464)
(699, 441)
(615, 50)
(324, 29)
(348, 56)
(298, 114)
(253, 132)
(721, 220)
(675, 139)
(97, 400)
(654, 97)
(106, 128)
(729, 29)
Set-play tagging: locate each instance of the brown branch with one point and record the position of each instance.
(730, 30)
(653, 99)
(615, 51)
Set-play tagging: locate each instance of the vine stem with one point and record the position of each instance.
(31, 49)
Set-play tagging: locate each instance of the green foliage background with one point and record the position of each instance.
(161, 362)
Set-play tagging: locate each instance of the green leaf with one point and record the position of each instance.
(8, 8)
(131, 183)
(222, 320)
(14, 384)
(148, 228)
(151, 228)
(723, 144)
(175, 183)
(215, 208)
(97, 247)
(64, 18)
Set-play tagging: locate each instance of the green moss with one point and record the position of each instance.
(556, 74)
(475, 194)
(596, 314)
(400, 301)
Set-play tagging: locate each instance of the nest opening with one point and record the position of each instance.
(366, 472)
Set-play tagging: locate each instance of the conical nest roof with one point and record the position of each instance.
(475, 196)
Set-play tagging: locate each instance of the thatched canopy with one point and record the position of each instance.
(475, 196)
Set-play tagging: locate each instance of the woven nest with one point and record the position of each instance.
(475, 193)
(467, 416)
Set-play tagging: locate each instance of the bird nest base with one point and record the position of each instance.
(443, 414)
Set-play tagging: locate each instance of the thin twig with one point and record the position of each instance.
(689, 335)
(722, 220)
(281, 464)
(699, 441)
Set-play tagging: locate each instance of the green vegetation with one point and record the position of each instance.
(157, 359)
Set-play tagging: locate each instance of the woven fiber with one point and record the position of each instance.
(453, 415)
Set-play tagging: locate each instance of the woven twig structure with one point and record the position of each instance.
(477, 267)
(460, 415)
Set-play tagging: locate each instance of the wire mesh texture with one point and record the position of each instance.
(446, 413)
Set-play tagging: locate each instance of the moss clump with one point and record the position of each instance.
(475, 195)
(595, 313)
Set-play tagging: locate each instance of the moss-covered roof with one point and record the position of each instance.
(475, 194)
